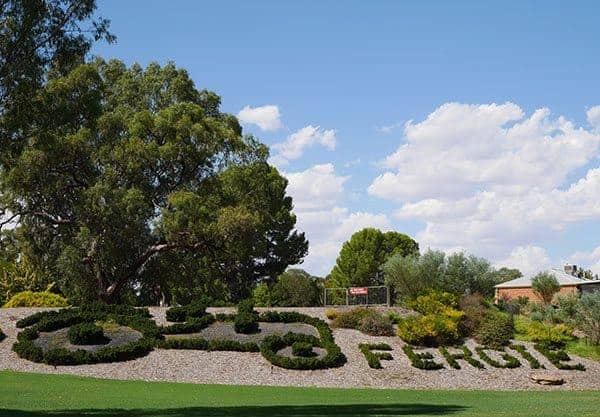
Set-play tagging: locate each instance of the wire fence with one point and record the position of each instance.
(375, 295)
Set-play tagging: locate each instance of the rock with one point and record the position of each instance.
(547, 379)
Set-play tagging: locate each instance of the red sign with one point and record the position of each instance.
(359, 291)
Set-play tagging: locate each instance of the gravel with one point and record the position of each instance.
(253, 369)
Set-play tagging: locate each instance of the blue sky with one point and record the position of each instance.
(468, 125)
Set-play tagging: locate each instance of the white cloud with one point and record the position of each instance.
(315, 188)
(388, 128)
(593, 116)
(486, 178)
(589, 259)
(265, 117)
(318, 195)
(297, 142)
(528, 259)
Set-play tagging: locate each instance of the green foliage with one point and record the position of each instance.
(296, 288)
(557, 356)
(547, 333)
(533, 362)
(86, 334)
(192, 325)
(50, 321)
(410, 276)
(246, 320)
(496, 329)
(2, 335)
(421, 360)
(197, 343)
(475, 309)
(194, 310)
(262, 295)
(374, 358)
(588, 316)
(366, 320)
(545, 285)
(439, 322)
(465, 355)
(361, 257)
(142, 147)
(303, 349)
(509, 361)
(36, 299)
(21, 275)
(565, 308)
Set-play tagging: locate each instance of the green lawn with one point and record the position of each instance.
(36, 395)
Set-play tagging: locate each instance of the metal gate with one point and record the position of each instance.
(375, 295)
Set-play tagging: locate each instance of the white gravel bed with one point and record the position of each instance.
(252, 369)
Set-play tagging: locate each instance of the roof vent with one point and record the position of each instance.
(571, 270)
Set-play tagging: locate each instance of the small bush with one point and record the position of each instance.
(191, 326)
(365, 320)
(429, 330)
(303, 349)
(36, 299)
(246, 323)
(544, 333)
(588, 316)
(194, 310)
(2, 335)
(87, 334)
(495, 330)
(331, 314)
(421, 360)
(475, 311)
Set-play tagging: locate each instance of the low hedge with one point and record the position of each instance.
(272, 344)
(365, 320)
(193, 325)
(466, 355)
(194, 310)
(87, 334)
(2, 335)
(557, 356)
(422, 360)
(374, 358)
(509, 360)
(134, 318)
(533, 362)
(198, 343)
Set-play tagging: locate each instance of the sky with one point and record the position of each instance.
(467, 125)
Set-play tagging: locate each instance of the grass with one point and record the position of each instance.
(37, 395)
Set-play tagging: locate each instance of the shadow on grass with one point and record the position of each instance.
(354, 410)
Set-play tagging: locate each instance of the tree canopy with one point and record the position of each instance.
(361, 257)
(129, 171)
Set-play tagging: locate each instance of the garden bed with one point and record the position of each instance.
(116, 335)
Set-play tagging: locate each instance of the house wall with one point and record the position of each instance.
(513, 293)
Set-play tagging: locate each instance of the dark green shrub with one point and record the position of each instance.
(556, 355)
(533, 362)
(87, 334)
(246, 306)
(2, 335)
(272, 344)
(422, 360)
(194, 310)
(374, 358)
(466, 355)
(495, 330)
(509, 361)
(209, 345)
(303, 349)
(246, 323)
(193, 325)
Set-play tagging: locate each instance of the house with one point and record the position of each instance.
(569, 283)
